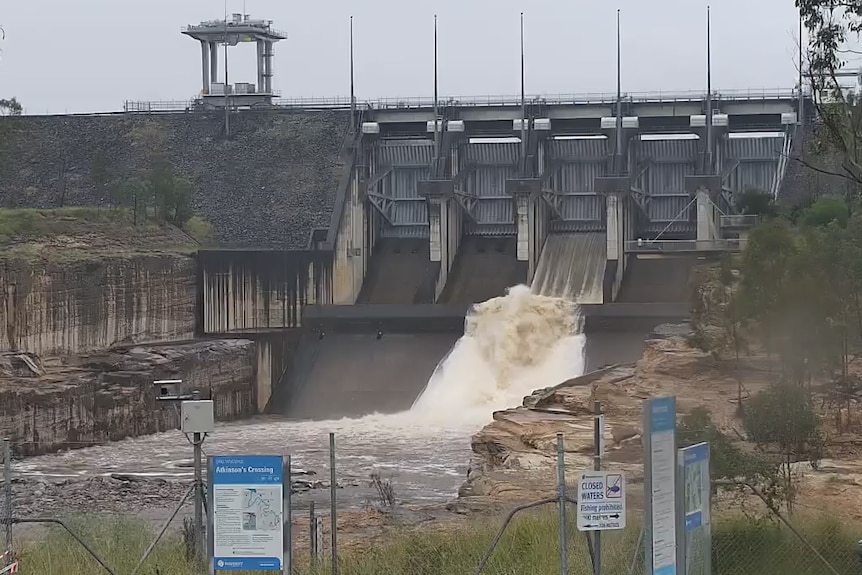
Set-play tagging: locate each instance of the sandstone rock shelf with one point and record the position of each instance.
(76, 402)
(514, 455)
(81, 306)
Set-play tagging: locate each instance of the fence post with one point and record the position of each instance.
(332, 504)
(197, 441)
(859, 552)
(597, 466)
(288, 513)
(312, 533)
(561, 485)
(7, 496)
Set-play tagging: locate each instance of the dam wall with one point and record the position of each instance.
(108, 396)
(71, 307)
(269, 185)
(245, 291)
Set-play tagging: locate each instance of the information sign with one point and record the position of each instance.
(248, 512)
(601, 501)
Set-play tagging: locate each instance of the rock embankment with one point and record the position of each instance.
(514, 455)
(267, 186)
(58, 404)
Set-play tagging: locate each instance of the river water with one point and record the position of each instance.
(512, 345)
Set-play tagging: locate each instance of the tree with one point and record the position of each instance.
(825, 211)
(831, 24)
(100, 174)
(167, 193)
(781, 418)
(11, 107)
(755, 202)
(727, 460)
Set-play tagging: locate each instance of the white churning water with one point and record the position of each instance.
(512, 345)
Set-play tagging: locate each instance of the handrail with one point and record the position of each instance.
(670, 246)
(417, 102)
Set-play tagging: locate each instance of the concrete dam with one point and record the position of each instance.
(428, 224)
(347, 259)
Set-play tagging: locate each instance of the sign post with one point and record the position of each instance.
(659, 486)
(694, 554)
(601, 501)
(247, 513)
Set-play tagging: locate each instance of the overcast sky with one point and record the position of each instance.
(91, 55)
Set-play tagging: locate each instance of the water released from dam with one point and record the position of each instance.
(512, 345)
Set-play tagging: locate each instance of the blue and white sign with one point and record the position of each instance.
(248, 512)
(659, 484)
(601, 501)
(695, 550)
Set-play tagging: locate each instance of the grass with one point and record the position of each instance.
(530, 545)
(28, 224)
(26, 234)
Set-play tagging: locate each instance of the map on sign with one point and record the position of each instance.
(601, 501)
(262, 509)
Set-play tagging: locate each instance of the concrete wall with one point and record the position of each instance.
(110, 396)
(269, 185)
(254, 291)
(451, 232)
(352, 249)
(74, 307)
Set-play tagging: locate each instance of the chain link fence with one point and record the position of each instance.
(748, 538)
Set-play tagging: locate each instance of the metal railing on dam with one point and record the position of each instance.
(413, 102)
(685, 246)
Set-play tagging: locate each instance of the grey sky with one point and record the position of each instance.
(90, 55)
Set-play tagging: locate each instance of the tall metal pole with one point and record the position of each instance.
(436, 96)
(618, 152)
(333, 528)
(801, 119)
(226, 81)
(709, 165)
(352, 90)
(597, 466)
(523, 105)
(561, 487)
(197, 440)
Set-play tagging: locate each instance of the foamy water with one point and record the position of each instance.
(512, 345)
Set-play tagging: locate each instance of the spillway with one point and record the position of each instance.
(400, 272)
(485, 267)
(572, 267)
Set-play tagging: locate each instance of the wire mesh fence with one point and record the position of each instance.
(120, 517)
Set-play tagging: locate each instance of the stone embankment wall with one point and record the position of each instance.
(55, 309)
(267, 186)
(51, 406)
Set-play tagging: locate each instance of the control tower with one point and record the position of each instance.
(240, 28)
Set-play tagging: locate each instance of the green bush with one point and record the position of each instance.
(200, 229)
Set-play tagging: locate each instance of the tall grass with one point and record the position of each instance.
(530, 546)
(35, 223)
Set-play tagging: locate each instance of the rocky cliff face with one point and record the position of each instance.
(110, 396)
(268, 186)
(73, 307)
